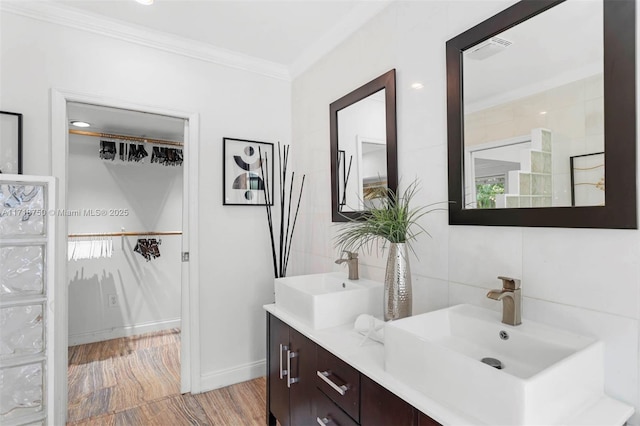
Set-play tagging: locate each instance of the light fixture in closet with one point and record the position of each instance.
(78, 123)
(145, 2)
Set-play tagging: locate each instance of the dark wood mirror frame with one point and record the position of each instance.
(386, 81)
(619, 118)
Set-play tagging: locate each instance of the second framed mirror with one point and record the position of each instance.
(363, 147)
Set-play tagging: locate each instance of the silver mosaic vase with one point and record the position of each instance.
(397, 283)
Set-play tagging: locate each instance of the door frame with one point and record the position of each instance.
(190, 334)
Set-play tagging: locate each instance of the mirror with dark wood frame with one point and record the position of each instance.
(363, 147)
(535, 131)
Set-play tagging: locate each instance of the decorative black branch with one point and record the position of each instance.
(287, 227)
(346, 182)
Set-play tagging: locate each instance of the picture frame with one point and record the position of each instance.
(10, 142)
(242, 180)
(587, 179)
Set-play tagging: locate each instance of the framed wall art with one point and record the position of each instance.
(587, 179)
(10, 142)
(245, 173)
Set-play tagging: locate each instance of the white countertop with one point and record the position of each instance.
(368, 358)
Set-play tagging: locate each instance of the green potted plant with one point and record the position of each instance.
(394, 222)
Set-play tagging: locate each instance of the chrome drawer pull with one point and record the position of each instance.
(282, 372)
(323, 421)
(291, 380)
(324, 375)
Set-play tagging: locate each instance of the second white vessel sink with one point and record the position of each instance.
(546, 374)
(328, 300)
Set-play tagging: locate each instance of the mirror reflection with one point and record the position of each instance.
(533, 103)
(362, 153)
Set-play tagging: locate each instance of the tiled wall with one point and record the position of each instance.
(586, 281)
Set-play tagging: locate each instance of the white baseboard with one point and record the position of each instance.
(230, 376)
(124, 331)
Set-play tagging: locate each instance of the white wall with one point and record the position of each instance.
(145, 197)
(587, 281)
(236, 278)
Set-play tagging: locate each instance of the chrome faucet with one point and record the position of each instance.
(511, 297)
(352, 262)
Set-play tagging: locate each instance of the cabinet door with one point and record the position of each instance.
(380, 407)
(278, 392)
(303, 370)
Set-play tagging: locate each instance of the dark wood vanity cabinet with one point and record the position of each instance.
(290, 382)
(308, 385)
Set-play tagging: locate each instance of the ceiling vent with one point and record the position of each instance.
(488, 48)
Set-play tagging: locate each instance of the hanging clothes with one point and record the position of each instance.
(137, 153)
(148, 248)
(107, 150)
(92, 248)
(167, 156)
(132, 152)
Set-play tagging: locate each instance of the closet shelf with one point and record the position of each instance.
(125, 137)
(125, 234)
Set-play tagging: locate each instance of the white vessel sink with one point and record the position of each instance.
(548, 375)
(328, 300)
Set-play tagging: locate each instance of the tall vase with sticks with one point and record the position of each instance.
(281, 244)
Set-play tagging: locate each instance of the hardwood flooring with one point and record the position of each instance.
(136, 381)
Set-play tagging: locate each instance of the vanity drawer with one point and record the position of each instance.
(339, 381)
(328, 413)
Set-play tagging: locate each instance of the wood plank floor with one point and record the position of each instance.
(136, 381)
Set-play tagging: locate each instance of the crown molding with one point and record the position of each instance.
(85, 21)
(343, 28)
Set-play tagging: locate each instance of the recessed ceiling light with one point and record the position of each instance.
(417, 86)
(543, 112)
(80, 124)
(145, 2)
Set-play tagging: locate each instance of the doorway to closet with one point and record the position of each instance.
(124, 222)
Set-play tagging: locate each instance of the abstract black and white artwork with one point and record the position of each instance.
(247, 168)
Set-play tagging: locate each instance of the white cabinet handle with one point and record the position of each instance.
(323, 421)
(291, 380)
(282, 372)
(324, 375)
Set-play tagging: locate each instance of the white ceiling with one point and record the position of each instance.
(279, 31)
(285, 32)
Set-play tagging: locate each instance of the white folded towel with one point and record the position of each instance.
(370, 327)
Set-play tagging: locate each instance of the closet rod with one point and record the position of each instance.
(124, 137)
(125, 234)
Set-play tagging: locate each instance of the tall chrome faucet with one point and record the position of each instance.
(352, 262)
(511, 297)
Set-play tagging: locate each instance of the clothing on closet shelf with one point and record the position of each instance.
(148, 248)
(93, 248)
